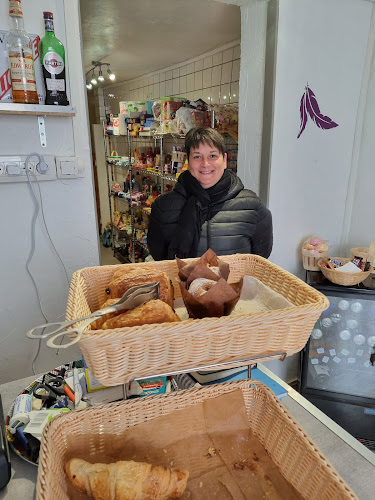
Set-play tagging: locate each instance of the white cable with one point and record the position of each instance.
(39, 207)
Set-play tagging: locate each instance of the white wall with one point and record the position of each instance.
(323, 43)
(360, 230)
(68, 204)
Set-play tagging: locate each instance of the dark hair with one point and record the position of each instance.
(206, 135)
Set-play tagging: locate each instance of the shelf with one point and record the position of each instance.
(122, 258)
(36, 110)
(164, 176)
(119, 166)
(141, 244)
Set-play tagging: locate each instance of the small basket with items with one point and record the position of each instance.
(349, 272)
(313, 249)
(230, 440)
(227, 324)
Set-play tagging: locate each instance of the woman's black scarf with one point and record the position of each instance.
(185, 241)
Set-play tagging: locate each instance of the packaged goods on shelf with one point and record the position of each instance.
(226, 119)
(131, 109)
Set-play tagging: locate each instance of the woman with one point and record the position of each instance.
(208, 208)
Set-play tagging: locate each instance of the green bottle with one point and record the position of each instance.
(52, 55)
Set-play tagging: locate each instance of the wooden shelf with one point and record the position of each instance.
(36, 110)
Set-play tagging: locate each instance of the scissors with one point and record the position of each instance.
(132, 298)
(51, 389)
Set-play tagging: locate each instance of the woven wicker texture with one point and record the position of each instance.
(364, 252)
(291, 449)
(342, 278)
(120, 355)
(310, 260)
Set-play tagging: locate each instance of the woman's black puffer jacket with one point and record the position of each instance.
(238, 223)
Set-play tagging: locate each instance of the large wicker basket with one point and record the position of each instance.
(117, 356)
(291, 449)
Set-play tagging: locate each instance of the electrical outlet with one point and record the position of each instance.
(17, 172)
(31, 167)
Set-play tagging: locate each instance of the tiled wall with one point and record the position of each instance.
(213, 77)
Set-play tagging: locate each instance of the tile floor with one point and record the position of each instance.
(106, 256)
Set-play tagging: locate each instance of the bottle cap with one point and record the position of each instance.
(48, 15)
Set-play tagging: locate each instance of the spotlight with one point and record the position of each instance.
(101, 77)
(93, 78)
(112, 76)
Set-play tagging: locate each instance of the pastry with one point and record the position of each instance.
(126, 480)
(153, 311)
(200, 286)
(123, 279)
(98, 323)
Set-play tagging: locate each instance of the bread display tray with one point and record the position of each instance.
(117, 356)
(290, 448)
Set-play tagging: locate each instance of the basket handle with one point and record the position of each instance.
(114, 153)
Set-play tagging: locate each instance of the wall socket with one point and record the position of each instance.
(12, 168)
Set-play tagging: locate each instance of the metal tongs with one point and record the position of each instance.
(132, 298)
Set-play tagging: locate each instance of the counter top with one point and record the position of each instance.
(339, 447)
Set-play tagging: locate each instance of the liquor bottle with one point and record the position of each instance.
(52, 54)
(21, 62)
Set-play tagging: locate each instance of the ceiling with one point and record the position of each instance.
(140, 36)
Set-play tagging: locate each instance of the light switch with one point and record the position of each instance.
(68, 168)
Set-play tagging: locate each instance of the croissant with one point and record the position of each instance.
(98, 323)
(122, 280)
(153, 311)
(126, 480)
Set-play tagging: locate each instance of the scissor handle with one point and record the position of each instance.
(47, 392)
(78, 331)
(62, 325)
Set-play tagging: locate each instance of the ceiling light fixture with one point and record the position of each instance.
(112, 76)
(94, 80)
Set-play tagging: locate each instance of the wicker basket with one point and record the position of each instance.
(342, 278)
(117, 356)
(290, 448)
(310, 260)
(364, 252)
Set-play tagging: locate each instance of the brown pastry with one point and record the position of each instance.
(98, 323)
(153, 311)
(126, 480)
(122, 280)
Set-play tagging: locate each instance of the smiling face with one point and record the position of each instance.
(207, 164)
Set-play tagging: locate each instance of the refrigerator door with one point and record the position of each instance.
(341, 350)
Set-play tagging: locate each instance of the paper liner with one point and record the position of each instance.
(220, 299)
(208, 259)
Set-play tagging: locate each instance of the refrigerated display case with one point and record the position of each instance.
(338, 362)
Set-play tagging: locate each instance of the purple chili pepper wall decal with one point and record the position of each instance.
(309, 107)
